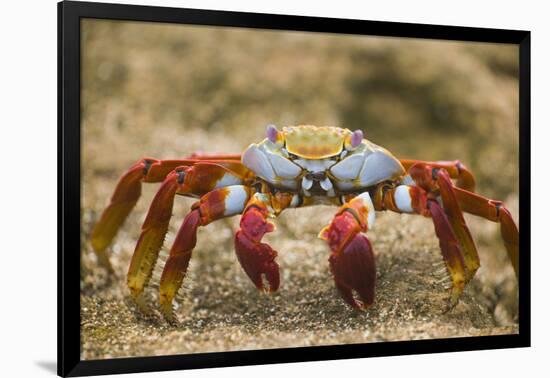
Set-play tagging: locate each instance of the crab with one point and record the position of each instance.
(295, 167)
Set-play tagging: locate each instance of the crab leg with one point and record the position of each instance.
(436, 180)
(456, 169)
(494, 211)
(456, 200)
(205, 176)
(205, 156)
(352, 260)
(183, 180)
(217, 204)
(128, 191)
(456, 218)
(450, 249)
(257, 258)
(415, 200)
(123, 200)
(153, 232)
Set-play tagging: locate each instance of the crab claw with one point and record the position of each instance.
(351, 261)
(257, 258)
(354, 269)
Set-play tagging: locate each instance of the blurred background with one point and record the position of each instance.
(166, 91)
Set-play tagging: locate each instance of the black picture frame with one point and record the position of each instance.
(69, 190)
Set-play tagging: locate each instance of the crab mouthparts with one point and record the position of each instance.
(317, 182)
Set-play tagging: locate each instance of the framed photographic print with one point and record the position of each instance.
(240, 188)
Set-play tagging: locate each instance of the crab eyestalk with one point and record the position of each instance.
(356, 138)
(275, 136)
(353, 140)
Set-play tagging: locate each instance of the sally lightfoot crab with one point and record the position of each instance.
(301, 166)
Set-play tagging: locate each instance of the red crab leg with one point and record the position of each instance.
(438, 180)
(257, 258)
(183, 180)
(456, 169)
(217, 204)
(233, 165)
(123, 200)
(205, 176)
(415, 200)
(450, 249)
(206, 156)
(456, 217)
(152, 234)
(128, 191)
(494, 211)
(352, 260)
(478, 205)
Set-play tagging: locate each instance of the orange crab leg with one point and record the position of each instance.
(123, 200)
(450, 250)
(437, 180)
(128, 191)
(152, 234)
(434, 184)
(352, 260)
(494, 211)
(416, 200)
(205, 176)
(206, 156)
(217, 204)
(456, 169)
(456, 200)
(183, 180)
(233, 165)
(456, 217)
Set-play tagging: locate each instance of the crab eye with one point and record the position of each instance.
(356, 138)
(272, 133)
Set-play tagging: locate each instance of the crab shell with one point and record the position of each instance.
(320, 161)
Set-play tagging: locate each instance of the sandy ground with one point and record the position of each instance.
(165, 91)
(221, 310)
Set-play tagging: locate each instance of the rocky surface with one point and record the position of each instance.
(220, 310)
(160, 90)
